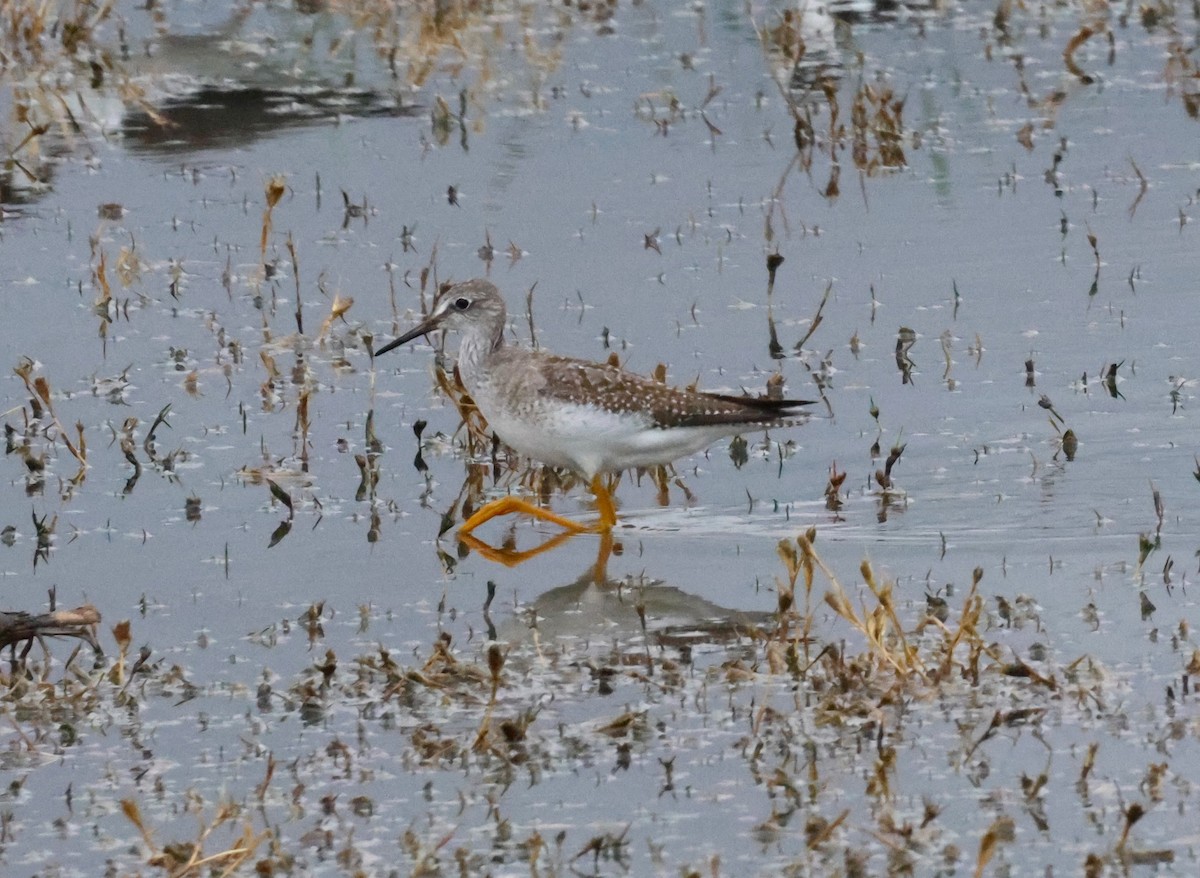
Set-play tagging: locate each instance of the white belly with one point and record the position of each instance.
(591, 440)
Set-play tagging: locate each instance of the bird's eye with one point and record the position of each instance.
(462, 303)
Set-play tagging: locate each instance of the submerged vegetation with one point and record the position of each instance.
(852, 724)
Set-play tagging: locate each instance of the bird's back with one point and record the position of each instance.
(594, 417)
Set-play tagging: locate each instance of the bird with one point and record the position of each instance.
(592, 418)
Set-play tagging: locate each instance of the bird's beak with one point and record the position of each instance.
(425, 326)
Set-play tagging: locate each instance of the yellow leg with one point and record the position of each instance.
(513, 557)
(509, 505)
(604, 503)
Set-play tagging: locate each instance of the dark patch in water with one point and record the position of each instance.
(220, 118)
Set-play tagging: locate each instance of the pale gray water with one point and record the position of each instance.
(565, 161)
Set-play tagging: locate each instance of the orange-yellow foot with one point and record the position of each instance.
(510, 505)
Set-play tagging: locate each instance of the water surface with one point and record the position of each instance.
(634, 170)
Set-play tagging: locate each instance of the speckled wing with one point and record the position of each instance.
(620, 392)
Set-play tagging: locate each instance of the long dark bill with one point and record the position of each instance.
(425, 326)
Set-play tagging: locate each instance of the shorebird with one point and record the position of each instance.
(592, 418)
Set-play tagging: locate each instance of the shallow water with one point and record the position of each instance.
(582, 139)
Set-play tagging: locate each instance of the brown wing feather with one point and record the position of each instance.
(615, 390)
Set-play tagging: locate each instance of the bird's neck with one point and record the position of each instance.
(475, 348)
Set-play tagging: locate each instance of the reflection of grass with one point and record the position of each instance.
(53, 54)
(848, 112)
(69, 68)
(934, 652)
(900, 748)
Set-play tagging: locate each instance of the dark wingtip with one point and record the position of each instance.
(749, 411)
(766, 404)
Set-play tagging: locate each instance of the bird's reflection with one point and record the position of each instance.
(625, 610)
(508, 555)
